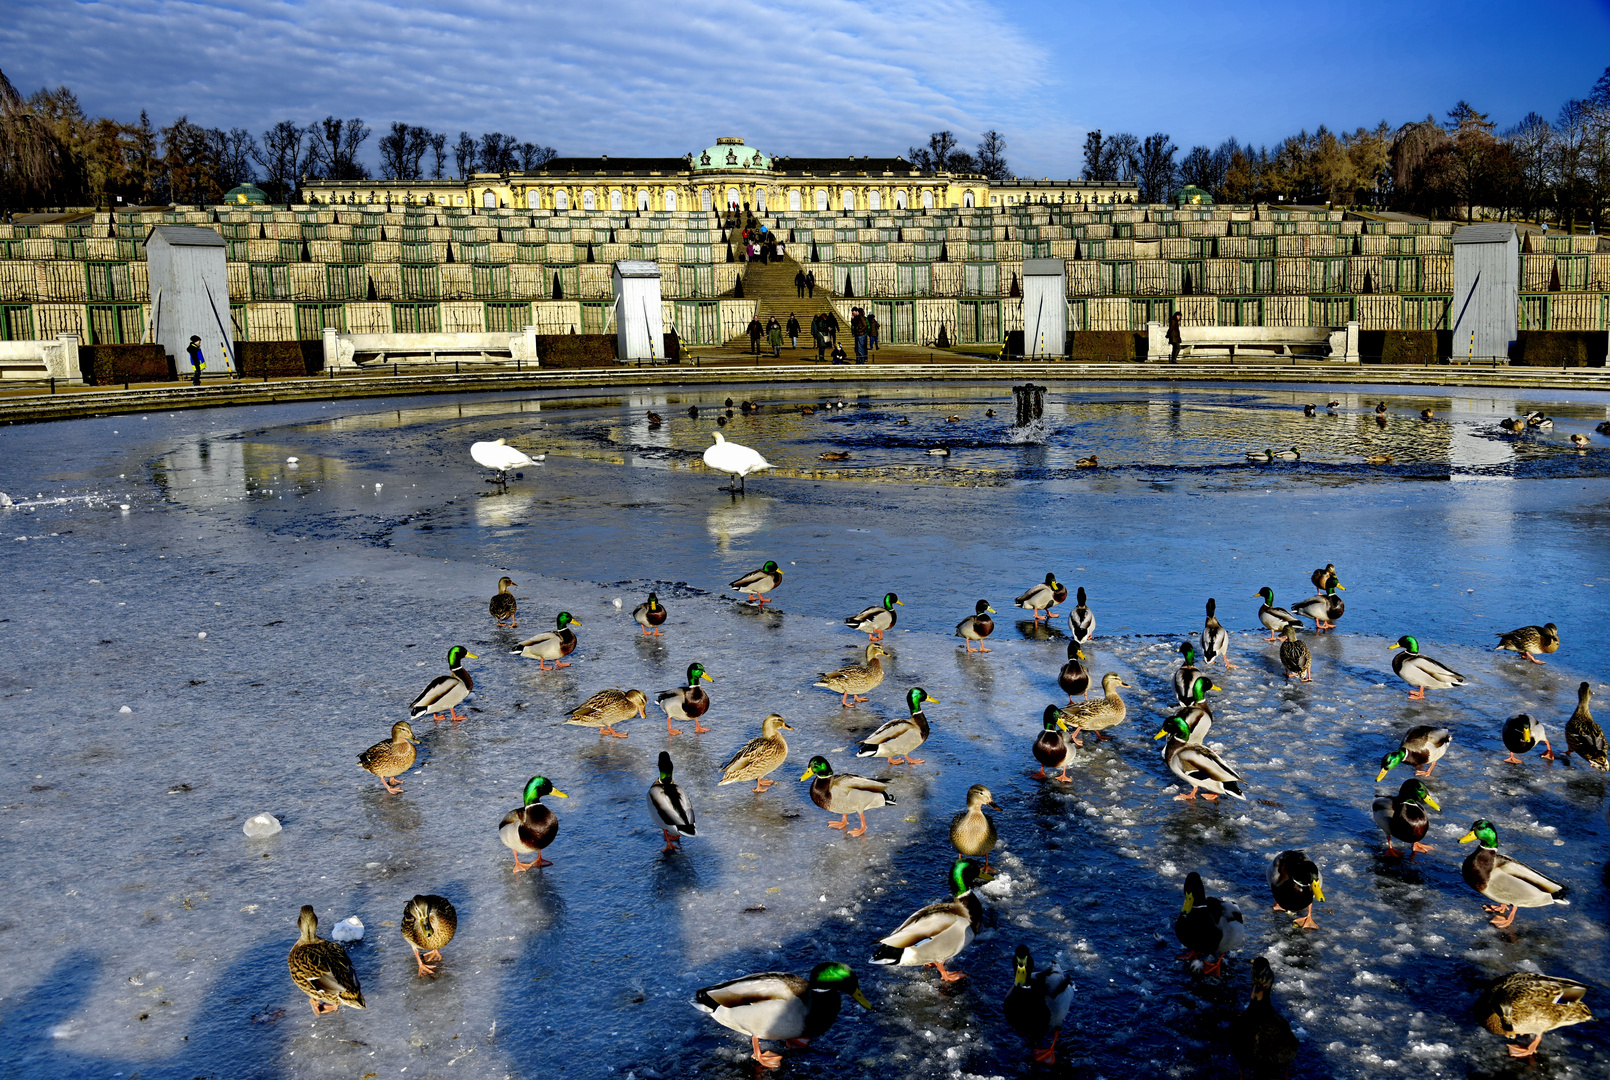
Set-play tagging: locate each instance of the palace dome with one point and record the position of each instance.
(728, 154)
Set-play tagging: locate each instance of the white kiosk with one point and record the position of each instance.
(639, 321)
(1045, 309)
(189, 275)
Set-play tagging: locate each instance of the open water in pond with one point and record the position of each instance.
(263, 621)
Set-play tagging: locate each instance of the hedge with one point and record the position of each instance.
(1404, 346)
(576, 350)
(1122, 346)
(279, 359)
(1558, 348)
(104, 365)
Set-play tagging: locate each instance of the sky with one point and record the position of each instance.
(812, 77)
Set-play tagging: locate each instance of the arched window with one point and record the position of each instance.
(587, 200)
(928, 199)
(642, 200)
(849, 200)
(874, 202)
(900, 200)
(760, 200)
(704, 199)
(561, 200)
(793, 200)
(821, 199)
(614, 200)
(670, 200)
(488, 199)
(967, 199)
(732, 197)
(533, 200)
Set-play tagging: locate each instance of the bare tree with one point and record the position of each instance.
(333, 148)
(464, 154)
(936, 156)
(1120, 158)
(30, 158)
(534, 156)
(1093, 168)
(438, 150)
(234, 152)
(1156, 168)
(497, 152)
(992, 155)
(282, 158)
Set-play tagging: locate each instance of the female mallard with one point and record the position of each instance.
(1521, 733)
(1188, 673)
(851, 680)
(556, 643)
(1378, 459)
(896, 739)
(1215, 638)
(1325, 609)
(780, 1007)
(1404, 816)
(873, 621)
(972, 831)
(503, 605)
(686, 702)
(321, 970)
(1295, 659)
(1073, 678)
(757, 582)
(1422, 747)
(1325, 577)
(1041, 598)
(392, 758)
(428, 923)
(976, 627)
(1050, 748)
(531, 828)
(1081, 621)
(1583, 735)
(758, 756)
(1196, 763)
(1099, 715)
(1208, 927)
(1510, 883)
(1274, 619)
(649, 615)
(1296, 883)
(609, 707)
(1260, 1038)
(446, 692)
(1089, 462)
(1530, 639)
(1038, 1003)
(1421, 672)
(669, 804)
(845, 794)
(938, 932)
(1523, 1003)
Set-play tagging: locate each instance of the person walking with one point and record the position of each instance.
(774, 335)
(830, 327)
(793, 331)
(198, 363)
(799, 283)
(810, 283)
(1174, 338)
(819, 336)
(872, 329)
(858, 331)
(755, 332)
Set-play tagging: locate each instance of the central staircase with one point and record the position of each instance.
(771, 286)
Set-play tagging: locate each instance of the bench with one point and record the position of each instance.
(1232, 343)
(354, 350)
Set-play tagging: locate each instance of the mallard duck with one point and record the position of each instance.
(1529, 640)
(1295, 659)
(1215, 638)
(1403, 816)
(558, 642)
(1187, 674)
(1197, 715)
(939, 451)
(758, 756)
(1260, 1038)
(1521, 733)
(1332, 406)
(780, 1007)
(393, 757)
(1081, 621)
(670, 807)
(1325, 577)
(953, 418)
(1089, 462)
(1603, 427)
(1288, 455)
(938, 932)
(1073, 678)
(976, 627)
(1050, 749)
(1509, 883)
(1523, 1003)
(1274, 619)
(1310, 410)
(1380, 409)
(650, 615)
(428, 923)
(1420, 746)
(1041, 597)
(1196, 763)
(845, 794)
(1099, 715)
(532, 827)
(609, 707)
(321, 970)
(693, 412)
(1539, 421)
(446, 692)
(1583, 735)
(686, 702)
(895, 740)
(1208, 927)
(756, 582)
(850, 680)
(1038, 1003)
(1296, 883)
(1427, 414)
(1261, 456)
(873, 621)
(972, 831)
(1512, 425)
(834, 455)
(1378, 459)
(655, 419)
(902, 422)
(503, 605)
(1421, 672)
(1325, 609)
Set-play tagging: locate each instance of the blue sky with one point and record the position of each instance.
(811, 76)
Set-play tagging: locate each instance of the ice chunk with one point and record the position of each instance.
(125, 709)
(348, 929)
(201, 636)
(261, 825)
(290, 461)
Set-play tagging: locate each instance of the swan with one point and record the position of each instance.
(500, 459)
(734, 458)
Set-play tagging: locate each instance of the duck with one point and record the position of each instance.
(1074, 678)
(1208, 927)
(651, 615)
(1197, 715)
(1420, 671)
(501, 458)
(1310, 410)
(1275, 619)
(873, 621)
(693, 412)
(1215, 638)
(902, 422)
(390, 759)
(503, 605)
(1041, 597)
(1324, 577)
(1526, 1003)
(428, 924)
(1296, 884)
(655, 419)
(896, 739)
(1332, 406)
(1583, 735)
(1580, 441)
(845, 794)
(1261, 1040)
(780, 1007)
(687, 702)
(851, 680)
(1380, 409)
(533, 826)
(1511, 425)
(1038, 1003)
(1378, 459)
(1187, 674)
(1509, 883)
(321, 970)
(807, 410)
(669, 807)
(1292, 454)
(1196, 763)
(1050, 749)
(446, 692)
(758, 582)
(1529, 640)
(1099, 715)
(1521, 733)
(938, 932)
(1081, 621)
(1089, 462)
(735, 459)
(609, 707)
(558, 642)
(758, 756)
(1325, 609)
(989, 413)
(1541, 423)
(833, 455)
(1261, 456)
(1295, 659)
(977, 627)
(972, 832)
(1427, 414)
(1603, 427)
(953, 418)
(1403, 816)
(939, 451)
(1420, 746)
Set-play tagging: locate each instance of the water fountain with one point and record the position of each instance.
(1029, 426)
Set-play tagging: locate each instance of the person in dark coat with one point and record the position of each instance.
(799, 283)
(872, 329)
(198, 363)
(1174, 337)
(793, 331)
(838, 354)
(673, 346)
(774, 335)
(810, 283)
(819, 335)
(830, 326)
(755, 332)
(858, 331)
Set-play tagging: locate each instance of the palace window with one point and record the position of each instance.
(874, 202)
(849, 201)
(928, 199)
(821, 199)
(967, 199)
(587, 200)
(704, 199)
(732, 197)
(794, 201)
(900, 200)
(561, 200)
(615, 200)
(760, 200)
(642, 200)
(670, 200)
(533, 200)
(489, 200)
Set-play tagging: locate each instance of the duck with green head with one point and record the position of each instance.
(1208, 927)
(1509, 883)
(1185, 678)
(1196, 763)
(1420, 746)
(896, 739)
(1197, 715)
(1403, 817)
(1081, 620)
(555, 644)
(687, 702)
(1274, 619)
(977, 627)
(672, 810)
(845, 794)
(873, 621)
(1296, 884)
(1039, 599)
(938, 932)
(533, 826)
(781, 1007)
(1325, 609)
(1521, 733)
(1074, 677)
(1050, 747)
(758, 582)
(1420, 671)
(446, 692)
(1038, 1003)
(650, 615)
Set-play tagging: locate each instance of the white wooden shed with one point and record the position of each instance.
(1486, 291)
(189, 275)
(1045, 308)
(639, 321)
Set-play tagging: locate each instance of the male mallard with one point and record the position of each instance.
(873, 621)
(758, 756)
(649, 615)
(1420, 746)
(976, 627)
(1188, 673)
(1421, 672)
(1404, 816)
(1521, 733)
(1260, 456)
(669, 804)
(1583, 735)
(1099, 715)
(503, 605)
(428, 923)
(1196, 763)
(446, 692)
(1195, 712)
(686, 702)
(1296, 883)
(1275, 619)
(1038, 1003)
(939, 931)
(609, 707)
(972, 831)
(1292, 454)
(1523, 1003)
(1215, 638)
(1510, 883)
(531, 828)
(1208, 926)
(556, 643)
(851, 680)
(1530, 639)
(780, 1007)
(1073, 678)
(896, 739)
(1041, 597)
(1081, 621)
(1050, 748)
(1260, 1038)
(1325, 609)
(756, 582)
(321, 970)
(845, 794)
(393, 757)
(1512, 425)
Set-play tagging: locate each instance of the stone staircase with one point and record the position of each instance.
(771, 286)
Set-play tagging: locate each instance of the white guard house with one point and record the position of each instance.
(1045, 308)
(1486, 292)
(190, 295)
(639, 322)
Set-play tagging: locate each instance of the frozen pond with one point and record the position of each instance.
(263, 622)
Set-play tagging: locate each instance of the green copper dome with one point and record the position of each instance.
(728, 154)
(246, 193)
(1191, 195)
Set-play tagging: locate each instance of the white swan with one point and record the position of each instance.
(500, 458)
(734, 458)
